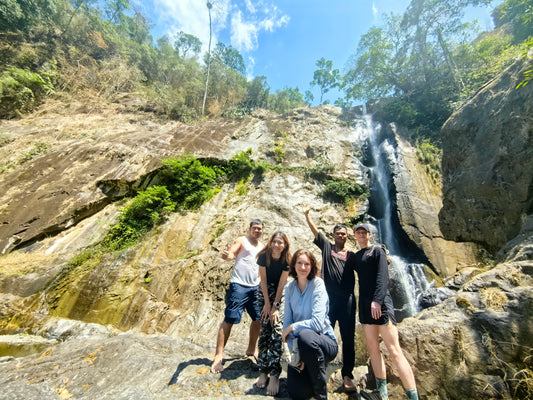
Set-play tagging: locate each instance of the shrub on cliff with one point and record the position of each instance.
(22, 90)
(146, 210)
(341, 190)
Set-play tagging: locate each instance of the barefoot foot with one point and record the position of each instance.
(273, 386)
(261, 381)
(217, 367)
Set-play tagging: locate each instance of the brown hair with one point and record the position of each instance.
(285, 254)
(314, 264)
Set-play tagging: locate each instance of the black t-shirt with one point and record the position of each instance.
(274, 270)
(338, 275)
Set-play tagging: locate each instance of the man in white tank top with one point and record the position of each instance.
(242, 292)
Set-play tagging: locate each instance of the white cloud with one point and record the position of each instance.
(243, 33)
(242, 20)
(192, 16)
(246, 27)
(375, 11)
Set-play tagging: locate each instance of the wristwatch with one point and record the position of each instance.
(276, 304)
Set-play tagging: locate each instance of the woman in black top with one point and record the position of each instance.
(273, 263)
(376, 313)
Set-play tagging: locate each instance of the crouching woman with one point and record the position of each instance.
(306, 319)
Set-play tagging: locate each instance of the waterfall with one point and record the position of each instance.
(407, 278)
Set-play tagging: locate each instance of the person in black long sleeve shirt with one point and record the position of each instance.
(376, 312)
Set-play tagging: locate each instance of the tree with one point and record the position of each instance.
(518, 16)
(257, 93)
(308, 97)
(187, 44)
(325, 77)
(77, 5)
(209, 7)
(114, 9)
(22, 15)
(230, 57)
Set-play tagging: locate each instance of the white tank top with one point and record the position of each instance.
(246, 270)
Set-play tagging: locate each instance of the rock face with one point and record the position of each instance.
(418, 201)
(141, 323)
(87, 165)
(488, 163)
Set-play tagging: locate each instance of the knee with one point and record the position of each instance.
(396, 353)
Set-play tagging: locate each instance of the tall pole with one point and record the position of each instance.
(209, 6)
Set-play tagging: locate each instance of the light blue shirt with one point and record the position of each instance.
(308, 309)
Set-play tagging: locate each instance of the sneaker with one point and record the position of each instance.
(294, 354)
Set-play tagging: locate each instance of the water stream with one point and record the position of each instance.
(407, 278)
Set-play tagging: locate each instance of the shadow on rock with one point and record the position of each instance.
(183, 365)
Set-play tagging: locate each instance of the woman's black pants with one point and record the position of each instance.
(316, 351)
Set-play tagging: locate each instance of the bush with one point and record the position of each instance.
(430, 156)
(146, 210)
(189, 181)
(21, 91)
(339, 190)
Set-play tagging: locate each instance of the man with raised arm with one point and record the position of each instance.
(242, 292)
(339, 278)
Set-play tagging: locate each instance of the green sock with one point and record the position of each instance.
(382, 388)
(412, 394)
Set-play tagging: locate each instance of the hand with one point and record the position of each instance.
(265, 313)
(306, 208)
(227, 254)
(375, 310)
(286, 332)
(274, 316)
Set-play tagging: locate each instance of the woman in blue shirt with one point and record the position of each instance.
(306, 318)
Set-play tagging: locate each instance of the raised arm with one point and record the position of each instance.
(306, 208)
(232, 251)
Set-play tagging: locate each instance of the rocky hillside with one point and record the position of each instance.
(140, 323)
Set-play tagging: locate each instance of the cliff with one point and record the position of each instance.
(141, 323)
(488, 163)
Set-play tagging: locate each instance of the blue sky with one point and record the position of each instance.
(282, 39)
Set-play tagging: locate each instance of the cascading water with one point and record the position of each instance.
(408, 280)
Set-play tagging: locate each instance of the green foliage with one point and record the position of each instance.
(355, 219)
(279, 146)
(528, 75)
(325, 77)
(187, 45)
(430, 156)
(427, 61)
(22, 90)
(340, 190)
(242, 187)
(241, 165)
(38, 148)
(189, 182)
(256, 93)
(285, 100)
(145, 211)
(229, 56)
(516, 16)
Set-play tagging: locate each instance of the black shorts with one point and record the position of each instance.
(387, 312)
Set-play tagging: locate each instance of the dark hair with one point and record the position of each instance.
(285, 254)
(339, 226)
(314, 264)
(256, 222)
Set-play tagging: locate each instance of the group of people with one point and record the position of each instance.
(304, 312)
